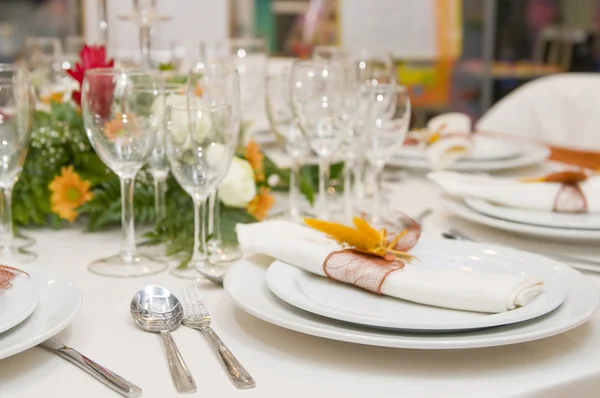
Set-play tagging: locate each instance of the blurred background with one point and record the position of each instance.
(455, 55)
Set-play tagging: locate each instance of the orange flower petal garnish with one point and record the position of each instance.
(363, 238)
(564, 177)
(256, 159)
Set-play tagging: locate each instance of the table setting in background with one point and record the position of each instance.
(317, 245)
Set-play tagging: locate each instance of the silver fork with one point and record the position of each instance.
(196, 317)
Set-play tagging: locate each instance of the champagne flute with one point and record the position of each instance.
(201, 141)
(217, 82)
(121, 126)
(385, 133)
(16, 118)
(285, 126)
(324, 99)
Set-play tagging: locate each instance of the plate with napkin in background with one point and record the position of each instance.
(531, 201)
(450, 287)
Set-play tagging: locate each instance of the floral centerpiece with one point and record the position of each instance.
(64, 181)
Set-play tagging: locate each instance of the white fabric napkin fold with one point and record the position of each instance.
(511, 192)
(449, 148)
(306, 249)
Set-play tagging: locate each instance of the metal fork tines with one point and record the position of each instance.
(196, 316)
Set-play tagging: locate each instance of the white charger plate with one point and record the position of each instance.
(326, 297)
(18, 302)
(484, 148)
(246, 285)
(536, 217)
(59, 302)
(460, 209)
(531, 154)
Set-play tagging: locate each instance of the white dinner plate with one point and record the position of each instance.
(18, 302)
(531, 154)
(536, 217)
(460, 209)
(246, 285)
(484, 148)
(59, 302)
(326, 297)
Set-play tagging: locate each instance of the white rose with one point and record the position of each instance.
(238, 187)
(180, 124)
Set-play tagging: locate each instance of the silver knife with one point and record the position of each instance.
(107, 377)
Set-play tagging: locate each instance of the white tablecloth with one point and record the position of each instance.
(286, 363)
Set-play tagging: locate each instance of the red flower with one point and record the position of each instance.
(91, 57)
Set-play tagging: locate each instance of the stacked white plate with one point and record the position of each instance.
(34, 309)
(561, 226)
(488, 154)
(292, 298)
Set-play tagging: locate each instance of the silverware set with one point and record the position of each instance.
(156, 309)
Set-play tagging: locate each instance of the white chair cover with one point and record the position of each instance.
(562, 110)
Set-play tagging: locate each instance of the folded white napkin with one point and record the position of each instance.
(454, 143)
(514, 193)
(306, 249)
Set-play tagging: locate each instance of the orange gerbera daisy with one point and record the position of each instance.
(55, 96)
(256, 159)
(116, 127)
(260, 205)
(69, 192)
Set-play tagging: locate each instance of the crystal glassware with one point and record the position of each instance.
(325, 97)
(201, 141)
(385, 132)
(122, 127)
(16, 118)
(217, 81)
(289, 135)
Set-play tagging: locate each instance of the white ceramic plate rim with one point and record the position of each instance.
(459, 209)
(532, 154)
(246, 285)
(535, 217)
(508, 151)
(48, 308)
(23, 309)
(282, 280)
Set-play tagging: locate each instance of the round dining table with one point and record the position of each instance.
(286, 363)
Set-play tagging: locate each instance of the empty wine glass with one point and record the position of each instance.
(285, 126)
(385, 132)
(201, 141)
(121, 126)
(16, 118)
(218, 82)
(324, 99)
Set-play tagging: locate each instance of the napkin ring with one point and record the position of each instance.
(360, 269)
(570, 199)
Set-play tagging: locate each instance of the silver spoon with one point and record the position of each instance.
(155, 309)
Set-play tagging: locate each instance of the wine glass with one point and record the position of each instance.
(325, 97)
(16, 118)
(218, 82)
(201, 141)
(285, 126)
(385, 132)
(121, 126)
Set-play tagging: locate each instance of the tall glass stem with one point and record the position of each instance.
(377, 177)
(348, 194)
(323, 181)
(214, 230)
(200, 253)
(294, 207)
(145, 46)
(6, 213)
(160, 197)
(128, 251)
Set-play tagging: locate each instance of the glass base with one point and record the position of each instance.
(224, 254)
(296, 218)
(187, 272)
(15, 254)
(214, 273)
(117, 266)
